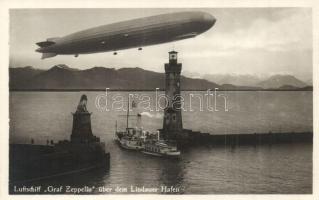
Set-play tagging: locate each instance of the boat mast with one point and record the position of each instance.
(115, 125)
(128, 110)
(158, 135)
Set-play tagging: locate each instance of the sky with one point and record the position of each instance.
(257, 41)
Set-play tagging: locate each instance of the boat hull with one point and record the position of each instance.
(128, 144)
(168, 155)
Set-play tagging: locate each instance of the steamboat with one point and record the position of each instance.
(138, 139)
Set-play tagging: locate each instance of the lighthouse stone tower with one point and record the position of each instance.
(172, 122)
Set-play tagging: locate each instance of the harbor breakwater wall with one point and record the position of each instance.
(197, 138)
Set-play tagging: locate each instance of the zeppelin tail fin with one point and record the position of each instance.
(48, 55)
(48, 42)
(45, 43)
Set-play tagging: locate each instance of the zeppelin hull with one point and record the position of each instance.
(131, 34)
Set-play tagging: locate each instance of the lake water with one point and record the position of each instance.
(281, 169)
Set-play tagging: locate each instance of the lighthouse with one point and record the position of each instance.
(172, 122)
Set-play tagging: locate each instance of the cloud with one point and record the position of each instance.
(283, 30)
(291, 32)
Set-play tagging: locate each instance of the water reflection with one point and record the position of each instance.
(263, 169)
(172, 174)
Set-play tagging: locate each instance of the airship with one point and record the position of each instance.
(135, 33)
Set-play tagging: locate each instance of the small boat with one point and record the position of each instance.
(160, 148)
(129, 139)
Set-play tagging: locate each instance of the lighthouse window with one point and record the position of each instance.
(174, 118)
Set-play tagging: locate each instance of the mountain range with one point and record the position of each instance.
(62, 77)
(263, 81)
